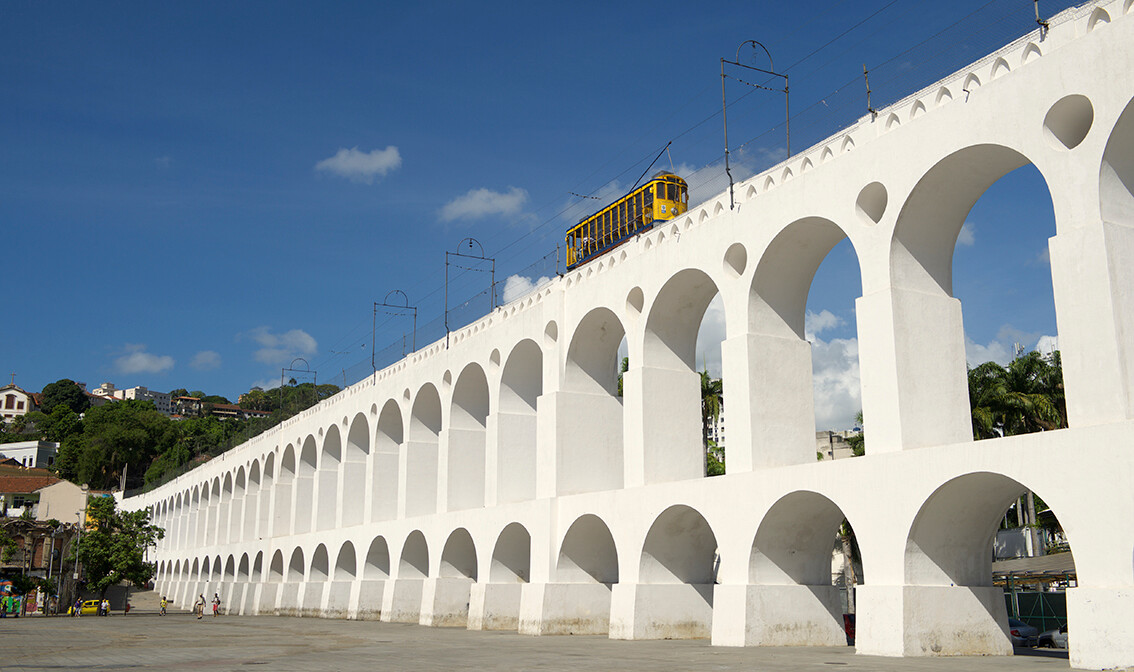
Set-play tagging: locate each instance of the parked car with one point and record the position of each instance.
(1022, 633)
(1056, 639)
(90, 607)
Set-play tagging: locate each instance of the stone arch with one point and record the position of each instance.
(216, 576)
(664, 388)
(677, 572)
(295, 566)
(276, 568)
(345, 563)
(414, 562)
(927, 327)
(242, 569)
(588, 553)
(791, 560)
(230, 569)
(320, 564)
(1116, 175)
(590, 455)
(197, 566)
(468, 423)
(679, 548)
(354, 472)
(422, 452)
(307, 468)
(283, 502)
(521, 385)
(948, 566)
(458, 558)
(254, 501)
(330, 460)
(377, 560)
(258, 567)
(388, 439)
(239, 503)
(512, 556)
(783, 404)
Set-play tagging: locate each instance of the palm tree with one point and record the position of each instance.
(1025, 397)
(712, 404)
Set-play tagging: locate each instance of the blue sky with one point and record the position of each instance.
(191, 195)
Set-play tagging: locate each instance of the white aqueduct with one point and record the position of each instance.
(501, 483)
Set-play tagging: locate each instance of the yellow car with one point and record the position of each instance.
(89, 607)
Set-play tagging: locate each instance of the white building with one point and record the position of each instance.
(15, 402)
(39, 454)
(160, 400)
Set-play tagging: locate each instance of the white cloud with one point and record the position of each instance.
(1002, 349)
(967, 235)
(836, 382)
(266, 384)
(480, 203)
(1046, 345)
(137, 360)
(359, 166)
(517, 285)
(709, 338)
(206, 360)
(994, 351)
(281, 348)
(817, 323)
(1044, 257)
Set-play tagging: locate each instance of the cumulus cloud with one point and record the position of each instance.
(967, 235)
(836, 382)
(206, 360)
(281, 348)
(817, 323)
(1002, 349)
(480, 203)
(518, 285)
(359, 166)
(137, 360)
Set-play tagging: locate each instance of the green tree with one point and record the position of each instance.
(857, 442)
(1024, 397)
(64, 391)
(712, 405)
(116, 436)
(114, 549)
(61, 423)
(622, 369)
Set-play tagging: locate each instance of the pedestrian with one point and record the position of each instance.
(199, 606)
(77, 610)
(216, 604)
(105, 607)
(163, 603)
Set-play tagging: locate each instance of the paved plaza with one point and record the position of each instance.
(145, 641)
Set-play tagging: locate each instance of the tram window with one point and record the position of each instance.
(649, 194)
(684, 195)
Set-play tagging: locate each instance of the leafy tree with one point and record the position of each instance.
(114, 549)
(64, 391)
(179, 392)
(8, 546)
(1024, 397)
(61, 423)
(712, 405)
(114, 436)
(622, 369)
(857, 442)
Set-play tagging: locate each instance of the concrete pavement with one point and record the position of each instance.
(145, 641)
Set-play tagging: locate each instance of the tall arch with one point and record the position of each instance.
(252, 501)
(468, 422)
(283, 501)
(663, 391)
(388, 439)
(328, 486)
(236, 511)
(354, 472)
(591, 453)
(521, 385)
(422, 451)
(791, 559)
(345, 563)
(920, 311)
(778, 403)
(320, 565)
(307, 468)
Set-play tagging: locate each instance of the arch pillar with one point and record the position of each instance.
(662, 438)
(915, 386)
(1092, 272)
(771, 422)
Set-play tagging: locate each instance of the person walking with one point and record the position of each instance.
(163, 603)
(199, 606)
(216, 604)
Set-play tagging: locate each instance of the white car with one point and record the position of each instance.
(1056, 639)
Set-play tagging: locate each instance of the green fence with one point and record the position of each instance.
(1045, 611)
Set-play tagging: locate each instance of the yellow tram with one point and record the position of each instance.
(664, 197)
